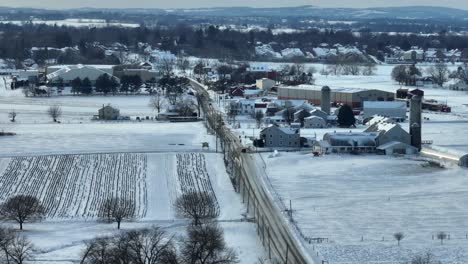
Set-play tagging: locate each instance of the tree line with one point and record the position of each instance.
(211, 41)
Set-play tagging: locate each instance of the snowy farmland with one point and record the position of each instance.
(73, 166)
(360, 203)
(72, 187)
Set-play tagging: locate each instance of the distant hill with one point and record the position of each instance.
(409, 12)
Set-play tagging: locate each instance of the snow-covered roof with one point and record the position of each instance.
(385, 104)
(394, 144)
(289, 130)
(352, 139)
(318, 88)
(252, 92)
(292, 52)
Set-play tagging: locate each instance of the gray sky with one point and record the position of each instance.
(58, 4)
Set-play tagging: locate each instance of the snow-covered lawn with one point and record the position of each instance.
(359, 202)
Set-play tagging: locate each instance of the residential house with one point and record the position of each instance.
(457, 85)
(108, 113)
(314, 122)
(280, 137)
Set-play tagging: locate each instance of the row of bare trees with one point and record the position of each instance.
(204, 242)
(54, 111)
(202, 245)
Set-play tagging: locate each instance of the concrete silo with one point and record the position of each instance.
(415, 122)
(325, 101)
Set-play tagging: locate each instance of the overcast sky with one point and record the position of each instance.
(59, 4)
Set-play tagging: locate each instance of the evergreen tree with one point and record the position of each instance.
(76, 85)
(87, 86)
(346, 116)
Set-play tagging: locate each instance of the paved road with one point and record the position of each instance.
(276, 234)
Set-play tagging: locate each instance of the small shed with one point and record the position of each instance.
(463, 161)
(108, 113)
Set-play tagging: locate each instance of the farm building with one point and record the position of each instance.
(404, 93)
(108, 113)
(69, 73)
(109, 69)
(253, 93)
(265, 84)
(395, 110)
(145, 74)
(395, 147)
(457, 85)
(314, 122)
(274, 136)
(350, 96)
(389, 132)
(347, 142)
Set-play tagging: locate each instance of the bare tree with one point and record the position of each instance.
(335, 68)
(198, 206)
(232, 111)
(439, 73)
(205, 244)
(12, 115)
(117, 210)
(441, 236)
(157, 102)
(20, 250)
(259, 117)
(399, 236)
(166, 65)
(186, 107)
(351, 68)
(147, 246)
(22, 208)
(288, 114)
(369, 69)
(97, 250)
(426, 259)
(183, 63)
(55, 112)
(6, 239)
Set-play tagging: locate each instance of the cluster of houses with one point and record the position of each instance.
(417, 54)
(322, 52)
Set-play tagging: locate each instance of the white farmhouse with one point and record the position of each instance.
(265, 84)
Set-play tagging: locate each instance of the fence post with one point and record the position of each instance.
(269, 248)
(287, 253)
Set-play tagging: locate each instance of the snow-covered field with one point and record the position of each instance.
(80, 160)
(359, 202)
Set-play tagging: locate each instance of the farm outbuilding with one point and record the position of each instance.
(463, 161)
(69, 73)
(395, 147)
(395, 110)
(108, 113)
(265, 84)
(353, 97)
